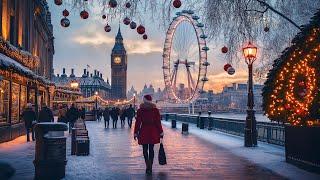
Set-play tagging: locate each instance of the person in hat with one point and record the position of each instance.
(148, 130)
(29, 116)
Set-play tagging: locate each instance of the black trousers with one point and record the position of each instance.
(106, 119)
(123, 122)
(114, 122)
(148, 152)
(130, 121)
(28, 134)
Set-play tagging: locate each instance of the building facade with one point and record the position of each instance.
(119, 64)
(26, 59)
(88, 83)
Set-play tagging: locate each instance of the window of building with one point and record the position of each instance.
(23, 98)
(15, 103)
(4, 101)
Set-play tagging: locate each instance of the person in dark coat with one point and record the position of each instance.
(148, 130)
(83, 113)
(115, 116)
(72, 115)
(130, 112)
(106, 117)
(123, 115)
(29, 116)
(45, 115)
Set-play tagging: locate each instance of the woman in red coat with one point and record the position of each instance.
(148, 130)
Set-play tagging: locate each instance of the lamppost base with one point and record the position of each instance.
(250, 131)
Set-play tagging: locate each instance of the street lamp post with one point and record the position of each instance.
(96, 104)
(250, 131)
(134, 101)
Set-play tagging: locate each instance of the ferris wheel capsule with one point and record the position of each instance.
(206, 63)
(203, 36)
(178, 13)
(205, 48)
(205, 79)
(185, 11)
(190, 12)
(200, 25)
(195, 18)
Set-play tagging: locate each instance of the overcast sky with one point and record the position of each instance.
(86, 42)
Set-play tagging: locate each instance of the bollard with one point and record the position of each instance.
(50, 153)
(173, 124)
(210, 121)
(198, 119)
(201, 123)
(185, 128)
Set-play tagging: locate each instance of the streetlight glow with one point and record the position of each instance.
(74, 85)
(96, 93)
(250, 51)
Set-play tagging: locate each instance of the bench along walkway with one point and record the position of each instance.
(115, 155)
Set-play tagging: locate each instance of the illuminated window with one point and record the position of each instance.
(4, 101)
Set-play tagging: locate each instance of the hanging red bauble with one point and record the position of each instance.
(128, 5)
(226, 66)
(141, 29)
(65, 13)
(126, 21)
(177, 3)
(224, 49)
(287, 106)
(145, 37)
(58, 2)
(65, 22)
(107, 28)
(231, 70)
(113, 3)
(84, 14)
(133, 25)
(266, 29)
(104, 16)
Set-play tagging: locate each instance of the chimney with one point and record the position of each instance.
(88, 73)
(58, 75)
(91, 75)
(95, 72)
(101, 75)
(63, 70)
(72, 71)
(84, 71)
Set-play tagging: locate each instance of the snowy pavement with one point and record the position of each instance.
(115, 155)
(265, 155)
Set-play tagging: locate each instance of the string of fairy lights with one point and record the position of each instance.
(296, 84)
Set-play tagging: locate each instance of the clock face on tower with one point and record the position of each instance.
(117, 60)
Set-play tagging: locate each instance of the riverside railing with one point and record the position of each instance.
(269, 132)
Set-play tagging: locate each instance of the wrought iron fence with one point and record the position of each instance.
(269, 132)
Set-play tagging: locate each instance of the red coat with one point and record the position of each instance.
(148, 117)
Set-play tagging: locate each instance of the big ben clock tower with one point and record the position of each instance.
(119, 69)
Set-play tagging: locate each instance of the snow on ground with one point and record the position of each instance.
(266, 155)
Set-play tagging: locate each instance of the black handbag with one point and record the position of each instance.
(162, 156)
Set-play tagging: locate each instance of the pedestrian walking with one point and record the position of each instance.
(62, 112)
(100, 113)
(123, 116)
(72, 115)
(148, 130)
(106, 117)
(130, 112)
(29, 117)
(83, 113)
(45, 115)
(115, 116)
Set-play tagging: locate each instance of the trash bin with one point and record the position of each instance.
(50, 153)
(185, 128)
(173, 124)
(210, 121)
(198, 119)
(201, 123)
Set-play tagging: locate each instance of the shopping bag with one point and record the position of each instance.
(162, 156)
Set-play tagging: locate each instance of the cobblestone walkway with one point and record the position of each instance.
(115, 155)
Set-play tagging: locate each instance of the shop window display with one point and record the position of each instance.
(4, 101)
(15, 103)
